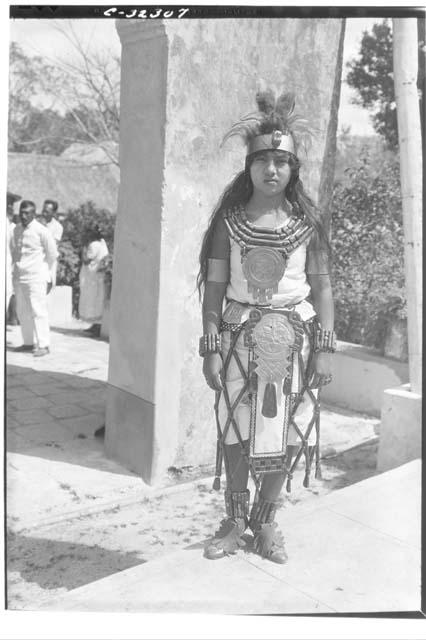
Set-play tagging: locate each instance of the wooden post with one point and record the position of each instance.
(405, 65)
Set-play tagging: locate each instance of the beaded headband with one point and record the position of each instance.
(275, 141)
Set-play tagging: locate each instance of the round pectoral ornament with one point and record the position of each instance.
(263, 268)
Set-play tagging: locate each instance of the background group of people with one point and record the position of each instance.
(32, 254)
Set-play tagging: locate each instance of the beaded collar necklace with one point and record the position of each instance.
(265, 252)
(284, 239)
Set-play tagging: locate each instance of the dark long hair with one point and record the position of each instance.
(239, 191)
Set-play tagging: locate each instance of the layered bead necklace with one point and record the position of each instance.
(265, 252)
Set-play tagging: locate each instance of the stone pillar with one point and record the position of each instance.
(400, 435)
(183, 84)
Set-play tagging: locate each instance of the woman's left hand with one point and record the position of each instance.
(320, 370)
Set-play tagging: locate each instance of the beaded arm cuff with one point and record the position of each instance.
(324, 341)
(210, 343)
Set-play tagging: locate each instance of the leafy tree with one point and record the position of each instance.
(368, 252)
(371, 74)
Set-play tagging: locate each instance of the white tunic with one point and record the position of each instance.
(293, 289)
(92, 283)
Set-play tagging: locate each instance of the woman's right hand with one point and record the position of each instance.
(212, 366)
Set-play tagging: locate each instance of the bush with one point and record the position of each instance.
(368, 252)
(75, 226)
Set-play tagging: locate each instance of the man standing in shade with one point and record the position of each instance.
(34, 255)
(50, 208)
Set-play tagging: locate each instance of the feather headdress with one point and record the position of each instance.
(274, 125)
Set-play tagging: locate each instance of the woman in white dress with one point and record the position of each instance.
(92, 280)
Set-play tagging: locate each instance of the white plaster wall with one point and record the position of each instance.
(213, 71)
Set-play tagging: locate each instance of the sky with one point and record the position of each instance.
(43, 38)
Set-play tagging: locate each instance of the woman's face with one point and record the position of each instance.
(270, 172)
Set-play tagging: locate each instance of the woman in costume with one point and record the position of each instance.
(92, 280)
(268, 325)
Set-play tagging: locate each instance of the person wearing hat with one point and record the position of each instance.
(34, 256)
(268, 326)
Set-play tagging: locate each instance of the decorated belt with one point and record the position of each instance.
(237, 314)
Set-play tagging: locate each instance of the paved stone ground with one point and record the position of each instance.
(75, 516)
(347, 553)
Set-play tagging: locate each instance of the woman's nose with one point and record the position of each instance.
(270, 167)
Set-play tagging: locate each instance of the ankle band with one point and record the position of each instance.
(263, 512)
(237, 503)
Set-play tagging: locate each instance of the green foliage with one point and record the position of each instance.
(76, 225)
(368, 252)
(371, 74)
(86, 215)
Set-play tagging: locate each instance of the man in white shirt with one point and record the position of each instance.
(34, 255)
(50, 207)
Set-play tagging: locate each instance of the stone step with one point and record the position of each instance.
(355, 550)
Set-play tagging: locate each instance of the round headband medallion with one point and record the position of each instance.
(276, 138)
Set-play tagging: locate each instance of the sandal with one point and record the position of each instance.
(227, 539)
(269, 543)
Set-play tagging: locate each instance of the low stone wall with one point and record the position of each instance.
(360, 378)
(400, 429)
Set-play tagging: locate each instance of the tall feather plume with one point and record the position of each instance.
(266, 101)
(285, 105)
(273, 112)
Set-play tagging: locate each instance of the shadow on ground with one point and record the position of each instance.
(54, 564)
(54, 415)
(71, 331)
(353, 465)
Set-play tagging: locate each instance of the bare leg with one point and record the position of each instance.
(272, 483)
(236, 467)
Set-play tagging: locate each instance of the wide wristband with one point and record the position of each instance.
(324, 341)
(210, 343)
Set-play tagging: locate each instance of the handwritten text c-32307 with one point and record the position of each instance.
(144, 14)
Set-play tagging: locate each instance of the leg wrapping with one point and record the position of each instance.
(237, 503)
(263, 512)
(268, 540)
